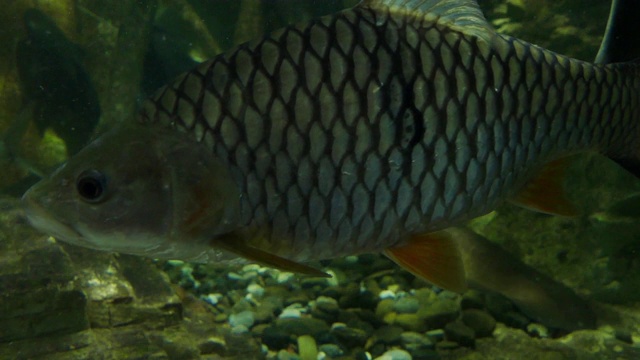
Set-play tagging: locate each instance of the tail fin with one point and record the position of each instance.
(621, 42)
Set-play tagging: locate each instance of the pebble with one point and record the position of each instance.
(239, 329)
(460, 333)
(234, 276)
(244, 318)
(472, 299)
(331, 350)
(302, 326)
(436, 335)
(406, 305)
(395, 354)
(327, 304)
(213, 345)
(310, 282)
(389, 335)
(255, 290)
(286, 355)
(349, 336)
(212, 299)
(290, 313)
(415, 340)
(384, 307)
(439, 313)
(411, 322)
(481, 322)
(387, 294)
(276, 338)
(285, 277)
(307, 348)
(538, 330)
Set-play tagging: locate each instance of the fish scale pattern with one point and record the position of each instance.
(349, 133)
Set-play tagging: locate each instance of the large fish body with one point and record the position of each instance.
(356, 132)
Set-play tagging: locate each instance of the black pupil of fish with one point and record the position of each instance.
(90, 185)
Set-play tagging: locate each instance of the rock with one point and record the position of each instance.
(302, 326)
(307, 348)
(395, 354)
(388, 335)
(447, 345)
(435, 335)
(410, 338)
(296, 298)
(239, 329)
(244, 318)
(276, 338)
(285, 277)
(331, 350)
(411, 322)
(212, 345)
(286, 355)
(350, 337)
(538, 330)
(326, 308)
(472, 299)
(406, 305)
(387, 294)
(460, 333)
(481, 322)
(425, 354)
(290, 313)
(439, 313)
(255, 290)
(312, 282)
(384, 307)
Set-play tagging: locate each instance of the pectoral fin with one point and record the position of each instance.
(239, 247)
(434, 257)
(545, 193)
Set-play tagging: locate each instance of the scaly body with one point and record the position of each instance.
(351, 132)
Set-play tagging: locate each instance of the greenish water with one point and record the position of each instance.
(86, 65)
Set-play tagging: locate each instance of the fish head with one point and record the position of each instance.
(140, 190)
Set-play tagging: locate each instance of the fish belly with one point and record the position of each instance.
(346, 134)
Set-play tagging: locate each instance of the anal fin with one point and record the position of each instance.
(545, 193)
(237, 246)
(434, 257)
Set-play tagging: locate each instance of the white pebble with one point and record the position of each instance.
(234, 276)
(213, 299)
(395, 354)
(290, 313)
(338, 325)
(326, 300)
(387, 294)
(255, 290)
(284, 277)
(243, 318)
(251, 267)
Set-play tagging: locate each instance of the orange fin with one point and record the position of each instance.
(545, 193)
(237, 246)
(434, 257)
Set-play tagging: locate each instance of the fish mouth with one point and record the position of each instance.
(46, 222)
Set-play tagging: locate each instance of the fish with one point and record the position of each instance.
(58, 91)
(371, 130)
(490, 268)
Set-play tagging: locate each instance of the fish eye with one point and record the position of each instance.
(91, 186)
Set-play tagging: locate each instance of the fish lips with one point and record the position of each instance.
(44, 221)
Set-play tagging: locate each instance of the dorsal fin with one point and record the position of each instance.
(465, 14)
(621, 42)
